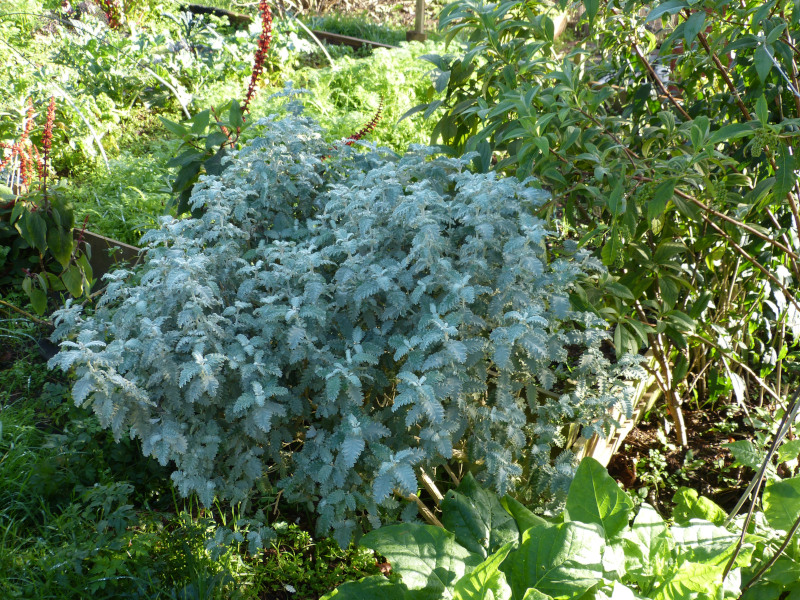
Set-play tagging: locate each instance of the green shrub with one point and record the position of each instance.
(335, 320)
(683, 183)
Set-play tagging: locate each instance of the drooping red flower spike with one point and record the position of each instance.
(261, 53)
(367, 128)
(47, 142)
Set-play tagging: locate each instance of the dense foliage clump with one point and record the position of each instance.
(338, 319)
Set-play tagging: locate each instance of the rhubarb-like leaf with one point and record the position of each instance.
(428, 559)
(562, 560)
(486, 581)
(480, 522)
(594, 497)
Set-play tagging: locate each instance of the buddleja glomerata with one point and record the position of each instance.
(341, 322)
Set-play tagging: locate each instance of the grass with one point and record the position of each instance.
(358, 26)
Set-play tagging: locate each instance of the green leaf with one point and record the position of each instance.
(789, 451)
(785, 176)
(763, 63)
(61, 243)
(214, 139)
(688, 580)
(561, 560)
(648, 546)
(534, 594)
(73, 279)
(200, 122)
(17, 211)
(782, 503)
(666, 250)
(594, 497)
(83, 263)
(661, 195)
(235, 115)
(174, 128)
(669, 292)
(666, 8)
(748, 455)
(427, 558)
(693, 26)
(731, 132)
(213, 165)
(524, 517)
(486, 581)
(477, 518)
(611, 248)
(34, 230)
(616, 201)
(376, 587)
(620, 291)
(762, 112)
(703, 542)
(681, 321)
(38, 299)
(62, 212)
(592, 6)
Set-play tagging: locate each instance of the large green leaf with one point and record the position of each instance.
(703, 542)
(690, 505)
(534, 594)
(480, 522)
(427, 558)
(73, 279)
(376, 587)
(648, 547)
(524, 518)
(592, 6)
(594, 497)
(562, 560)
(782, 503)
(34, 230)
(690, 580)
(763, 63)
(61, 244)
(486, 581)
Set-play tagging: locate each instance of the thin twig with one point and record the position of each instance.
(654, 76)
(26, 314)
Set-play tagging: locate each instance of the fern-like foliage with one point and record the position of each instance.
(341, 322)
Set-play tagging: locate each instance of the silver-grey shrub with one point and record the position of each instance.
(335, 322)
